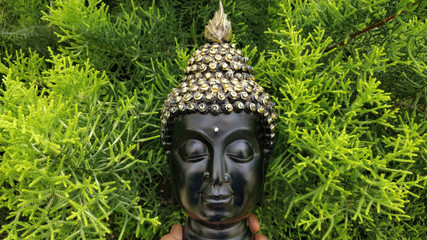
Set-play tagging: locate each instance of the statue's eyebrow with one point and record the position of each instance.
(185, 135)
(247, 134)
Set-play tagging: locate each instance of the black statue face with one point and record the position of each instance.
(217, 165)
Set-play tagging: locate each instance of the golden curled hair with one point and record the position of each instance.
(218, 81)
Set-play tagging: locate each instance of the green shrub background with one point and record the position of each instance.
(83, 82)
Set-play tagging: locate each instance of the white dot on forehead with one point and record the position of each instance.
(216, 129)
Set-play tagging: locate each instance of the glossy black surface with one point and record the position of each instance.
(218, 172)
(197, 230)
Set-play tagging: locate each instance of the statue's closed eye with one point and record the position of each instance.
(240, 151)
(193, 151)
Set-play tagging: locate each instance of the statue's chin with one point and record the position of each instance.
(213, 216)
(238, 229)
(220, 209)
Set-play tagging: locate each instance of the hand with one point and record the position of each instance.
(254, 226)
(176, 231)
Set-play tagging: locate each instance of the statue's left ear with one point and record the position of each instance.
(267, 154)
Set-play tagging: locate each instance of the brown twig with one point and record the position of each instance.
(400, 104)
(354, 35)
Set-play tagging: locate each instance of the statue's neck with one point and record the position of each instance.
(195, 230)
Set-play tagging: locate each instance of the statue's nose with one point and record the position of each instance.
(219, 180)
(217, 170)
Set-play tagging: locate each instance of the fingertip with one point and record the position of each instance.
(174, 234)
(253, 223)
(176, 229)
(259, 236)
(251, 215)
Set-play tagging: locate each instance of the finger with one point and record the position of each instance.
(174, 234)
(259, 236)
(253, 223)
(176, 231)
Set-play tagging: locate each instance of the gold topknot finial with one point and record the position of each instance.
(219, 28)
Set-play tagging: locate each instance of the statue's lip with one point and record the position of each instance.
(217, 200)
(216, 197)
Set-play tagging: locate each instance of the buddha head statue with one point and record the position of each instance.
(218, 128)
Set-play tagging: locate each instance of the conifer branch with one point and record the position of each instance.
(366, 29)
(400, 104)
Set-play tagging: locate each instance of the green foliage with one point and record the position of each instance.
(21, 26)
(124, 41)
(83, 82)
(63, 175)
(349, 159)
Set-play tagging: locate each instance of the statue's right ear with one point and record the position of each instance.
(174, 201)
(173, 189)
